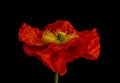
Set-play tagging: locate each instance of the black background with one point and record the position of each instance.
(30, 69)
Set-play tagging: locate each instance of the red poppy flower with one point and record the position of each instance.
(59, 43)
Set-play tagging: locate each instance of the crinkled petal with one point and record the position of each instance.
(72, 50)
(86, 46)
(90, 44)
(60, 25)
(43, 53)
(30, 36)
(58, 63)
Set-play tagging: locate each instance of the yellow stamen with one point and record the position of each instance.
(60, 38)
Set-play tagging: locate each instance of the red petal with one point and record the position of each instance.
(43, 53)
(90, 43)
(57, 60)
(58, 63)
(29, 35)
(60, 25)
(86, 46)
(72, 50)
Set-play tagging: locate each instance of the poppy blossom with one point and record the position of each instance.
(59, 43)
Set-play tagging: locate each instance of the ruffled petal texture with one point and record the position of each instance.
(59, 43)
(86, 46)
(29, 35)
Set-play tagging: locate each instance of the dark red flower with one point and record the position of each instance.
(59, 43)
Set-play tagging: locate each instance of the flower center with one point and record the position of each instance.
(61, 36)
(58, 38)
